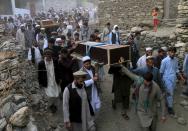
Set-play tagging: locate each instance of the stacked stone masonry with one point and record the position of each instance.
(182, 28)
(173, 9)
(127, 12)
(14, 97)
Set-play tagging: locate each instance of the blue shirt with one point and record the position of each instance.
(169, 67)
(143, 70)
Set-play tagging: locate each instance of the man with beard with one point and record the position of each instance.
(121, 89)
(77, 110)
(91, 83)
(48, 79)
(35, 54)
(37, 30)
(56, 49)
(65, 69)
(142, 60)
(134, 51)
(169, 69)
(29, 36)
(20, 38)
(41, 38)
(159, 58)
(149, 67)
(148, 95)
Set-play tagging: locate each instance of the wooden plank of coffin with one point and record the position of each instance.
(110, 54)
(99, 54)
(81, 49)
(116, 53)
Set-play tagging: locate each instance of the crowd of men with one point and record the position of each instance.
(62, 76)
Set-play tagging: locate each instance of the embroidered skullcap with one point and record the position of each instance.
(79, 73)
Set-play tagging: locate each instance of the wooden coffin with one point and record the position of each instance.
(48, 24)
(107, 54)
(81, 49)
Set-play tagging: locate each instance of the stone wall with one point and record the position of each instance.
(16, 88)
(182, 28)
(173, 9)
(156, 41)
(127, 12)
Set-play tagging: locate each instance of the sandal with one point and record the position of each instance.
(125, 116)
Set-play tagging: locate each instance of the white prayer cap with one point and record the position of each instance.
(164, 48)
(37, 25)
(86, 58)
(22, 25)
(149, 57)
(42, 28)
(58, 39)
(115, 26)
(79, 73)
(149, 49)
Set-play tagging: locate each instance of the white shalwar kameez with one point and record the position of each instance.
(141, 61)
(95, 100)
(52, 89)
(87, 120)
